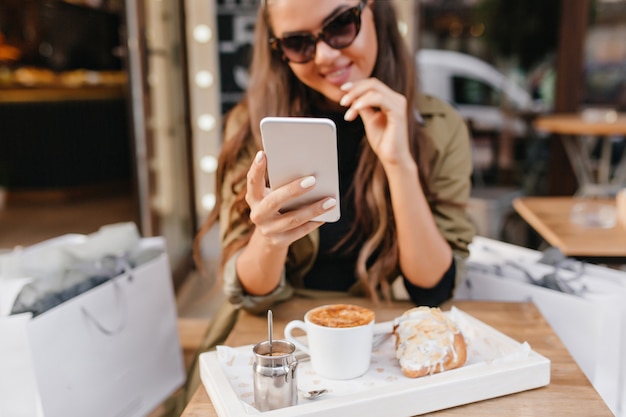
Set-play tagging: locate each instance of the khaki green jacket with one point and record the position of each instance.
(451, 168)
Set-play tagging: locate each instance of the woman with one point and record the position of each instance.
(404, 164)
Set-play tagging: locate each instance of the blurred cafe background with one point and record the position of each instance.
(110, 110)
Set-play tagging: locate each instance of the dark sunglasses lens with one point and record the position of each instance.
(338, 33)
(298, 48)
(342, 31)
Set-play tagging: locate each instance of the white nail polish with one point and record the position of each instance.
(347, 115)
(331, 202)
(343, 101)
(258, 157)
(308, 182)
(346, 86)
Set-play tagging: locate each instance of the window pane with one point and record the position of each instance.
(474, 92)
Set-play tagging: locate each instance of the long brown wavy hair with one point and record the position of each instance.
(275, 91)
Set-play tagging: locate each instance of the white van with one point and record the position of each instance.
(489, 101)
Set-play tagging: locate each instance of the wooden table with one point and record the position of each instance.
(569, 394)
(580, 133)
(550, 217)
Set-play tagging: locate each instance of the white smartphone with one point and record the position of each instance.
(297, 147)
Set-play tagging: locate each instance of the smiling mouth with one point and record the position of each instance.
(337, 73)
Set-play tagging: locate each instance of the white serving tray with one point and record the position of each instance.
(497, 365)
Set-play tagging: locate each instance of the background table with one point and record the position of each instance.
(569, 393)
(550, 217)
(580, 133)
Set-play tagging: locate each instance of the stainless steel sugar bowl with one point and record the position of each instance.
(274, 370)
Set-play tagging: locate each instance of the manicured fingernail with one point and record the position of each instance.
(331, 202)
(308, 182)
(258, 157)
(348, 115)
(343, 101)
(346, 86)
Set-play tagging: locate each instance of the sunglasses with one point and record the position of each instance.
(338, 33)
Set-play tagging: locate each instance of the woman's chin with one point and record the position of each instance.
(333, 104)
(332, 100)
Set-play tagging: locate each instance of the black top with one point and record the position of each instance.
(335, 270)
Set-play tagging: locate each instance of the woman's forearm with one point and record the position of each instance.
(424, 254)
(260, 265)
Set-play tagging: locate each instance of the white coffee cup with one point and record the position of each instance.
(336, 352)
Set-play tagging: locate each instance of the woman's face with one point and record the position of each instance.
(330, 68)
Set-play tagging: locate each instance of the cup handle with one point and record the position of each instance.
(381, 328)
(296, 324)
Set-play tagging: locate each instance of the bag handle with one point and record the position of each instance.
(121, 304)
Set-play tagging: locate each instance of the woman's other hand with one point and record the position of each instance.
(383, 112)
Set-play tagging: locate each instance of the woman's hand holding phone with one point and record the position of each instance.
(281, 228)
(260, 265)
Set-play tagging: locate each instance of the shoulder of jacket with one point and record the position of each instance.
(430, 106)
(442, 122)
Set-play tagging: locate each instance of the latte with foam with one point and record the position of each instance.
(341, 316)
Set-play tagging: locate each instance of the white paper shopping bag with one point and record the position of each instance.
(18, 387)
(113, 350)
(590, 321)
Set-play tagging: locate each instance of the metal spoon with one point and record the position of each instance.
(270, 329)
(313, 394)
